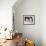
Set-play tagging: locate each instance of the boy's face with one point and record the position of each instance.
(30, 20)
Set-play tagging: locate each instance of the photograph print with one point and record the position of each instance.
(29, 19)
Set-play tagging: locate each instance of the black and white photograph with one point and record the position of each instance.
(29, 19)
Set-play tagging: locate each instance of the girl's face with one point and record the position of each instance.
(27, 20)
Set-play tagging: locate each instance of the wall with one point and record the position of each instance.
(43, 22)
(28, 7)
(6, 13)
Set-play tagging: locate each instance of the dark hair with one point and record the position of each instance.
(27, 18)
(31, 19)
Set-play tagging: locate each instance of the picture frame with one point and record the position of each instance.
(28, 19)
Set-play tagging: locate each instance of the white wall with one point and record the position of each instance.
(43, 22)
(40, 20)
(29, 7)
(6, 13)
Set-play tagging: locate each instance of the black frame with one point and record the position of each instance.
(30, 16)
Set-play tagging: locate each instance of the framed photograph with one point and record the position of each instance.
(28, 19)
